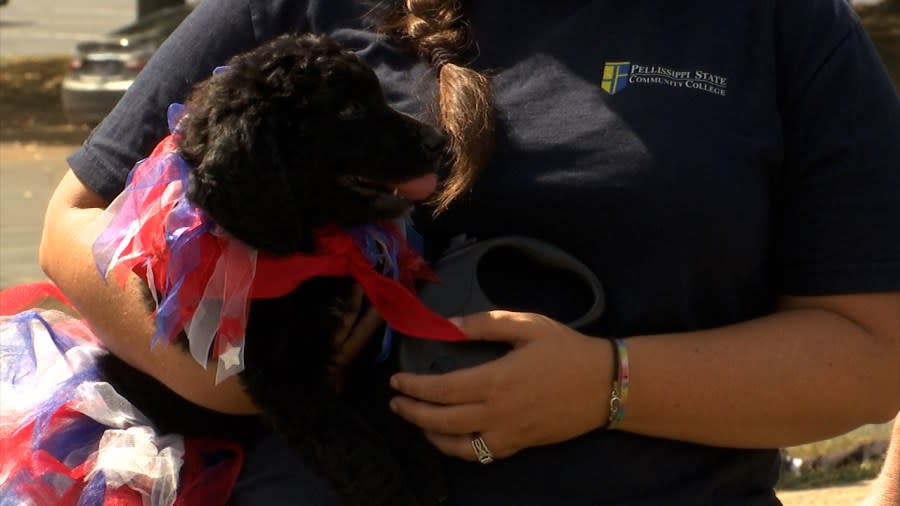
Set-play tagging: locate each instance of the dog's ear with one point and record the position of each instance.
(258, 207)
(242, 186)
(242, 159)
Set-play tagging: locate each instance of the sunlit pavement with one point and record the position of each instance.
(52, 27)
(28, 175)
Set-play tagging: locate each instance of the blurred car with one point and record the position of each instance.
(102, 69)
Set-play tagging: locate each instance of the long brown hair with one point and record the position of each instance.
(438, 32)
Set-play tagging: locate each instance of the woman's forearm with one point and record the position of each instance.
(119, 315)
(885, 491)
(799, 375)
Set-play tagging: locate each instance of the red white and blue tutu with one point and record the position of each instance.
(68, 438)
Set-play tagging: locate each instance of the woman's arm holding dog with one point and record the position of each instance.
(119, 315)
(886, 489)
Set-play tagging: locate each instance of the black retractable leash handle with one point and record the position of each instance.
(459, 293)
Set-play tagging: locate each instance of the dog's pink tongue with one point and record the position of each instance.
(419, 188)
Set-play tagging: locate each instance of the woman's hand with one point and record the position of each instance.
(553, 386)
(357, 327)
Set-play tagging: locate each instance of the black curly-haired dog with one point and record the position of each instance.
(296, 135)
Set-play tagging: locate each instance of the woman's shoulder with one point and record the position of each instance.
(274, 17)
(821, 19)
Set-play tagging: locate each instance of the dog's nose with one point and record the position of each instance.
(433, 140)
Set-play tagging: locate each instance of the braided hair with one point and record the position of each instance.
(437, 32)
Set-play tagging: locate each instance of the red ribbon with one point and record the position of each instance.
(338, 255)
(18, 298)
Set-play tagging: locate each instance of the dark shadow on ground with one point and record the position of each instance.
(5, 23)
(30, 109)
(882, 23)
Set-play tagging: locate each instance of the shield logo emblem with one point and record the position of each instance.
(615, 76)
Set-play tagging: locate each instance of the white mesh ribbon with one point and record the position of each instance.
(130, 452)
(32, 365)
(221, 316)
(136, 457)
(100, 401)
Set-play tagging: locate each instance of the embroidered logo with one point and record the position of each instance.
(617, 75)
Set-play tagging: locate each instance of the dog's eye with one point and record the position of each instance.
(353, 110)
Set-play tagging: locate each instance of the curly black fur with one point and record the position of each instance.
(296, 135)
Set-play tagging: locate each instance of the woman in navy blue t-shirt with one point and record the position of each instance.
(729, 170)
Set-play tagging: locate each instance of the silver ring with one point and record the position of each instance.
(482, 452)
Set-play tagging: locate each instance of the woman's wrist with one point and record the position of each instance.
(602, 361)
(596, 363)
(621, 383)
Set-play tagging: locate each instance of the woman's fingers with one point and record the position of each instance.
(506, 326)
(358, 337)
(460, 446)
(454, 420)
(357, 326)
(348, 320)
(475, 384)
(456, 387)
(355, 330)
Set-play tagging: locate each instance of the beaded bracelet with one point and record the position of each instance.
(619, 394)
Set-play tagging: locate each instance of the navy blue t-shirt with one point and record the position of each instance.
(701, 157)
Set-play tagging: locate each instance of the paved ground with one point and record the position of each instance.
(849, 495)
(28, 174)
(51, 27)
